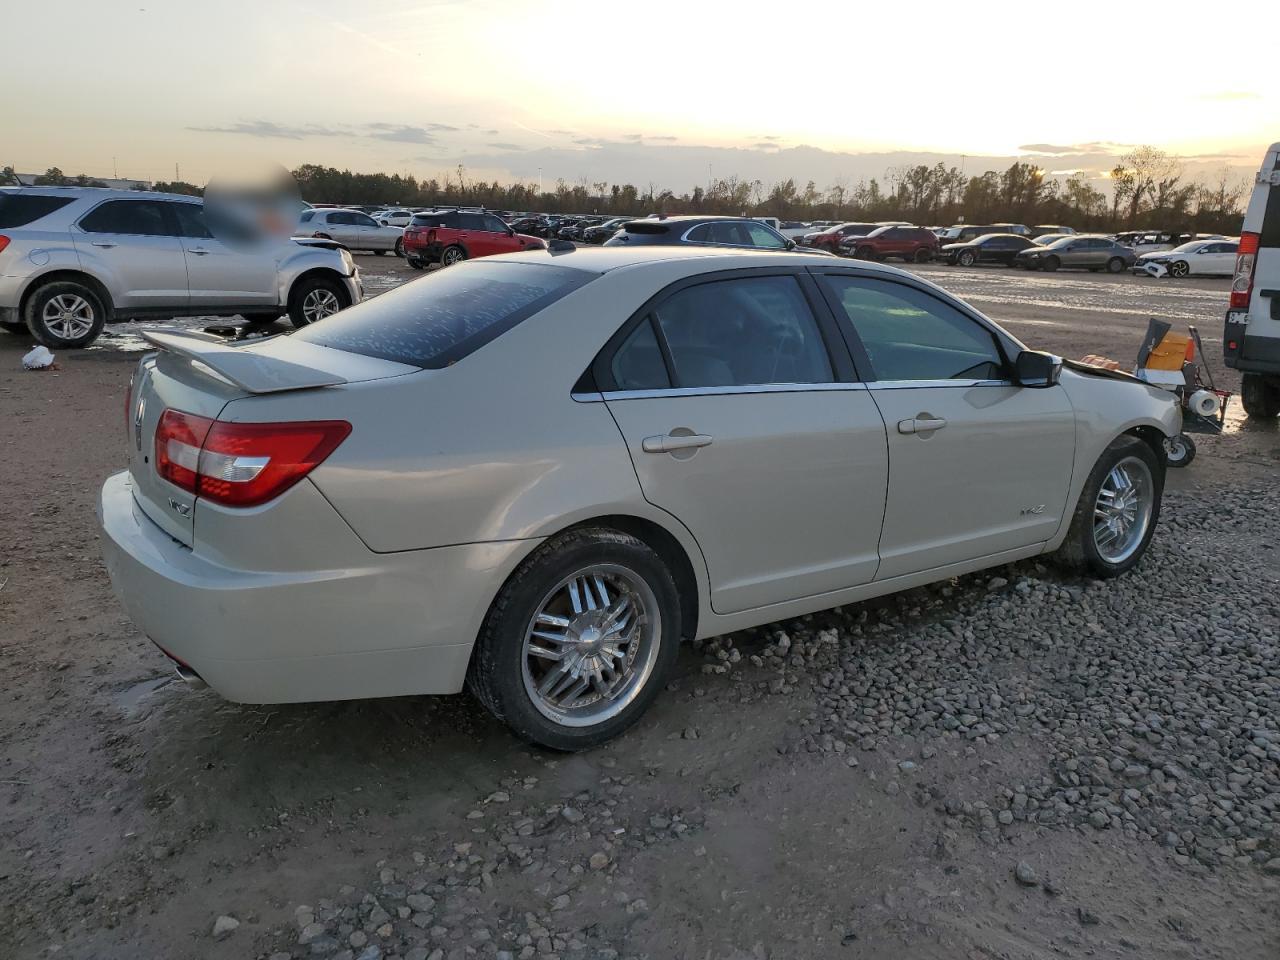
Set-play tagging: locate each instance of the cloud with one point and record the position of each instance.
(267, 128)
(1075, 149)
(562, 133)
(1231, 95)
(505, 146)
(492, 133)
(665, 139)
(406, 133)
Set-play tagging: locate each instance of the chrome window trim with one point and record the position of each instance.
(595, 396)
(667, 392)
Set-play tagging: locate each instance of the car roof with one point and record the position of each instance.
(98, 193)
(603, 259)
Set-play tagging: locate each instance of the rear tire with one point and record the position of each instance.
(1115, 265)
(1260, 396)
(452, 255)
(511, 672)
(315, 298)
(65, 315)
(416, 263)
(1107, 540)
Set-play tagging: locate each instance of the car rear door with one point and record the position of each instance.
(135, 243)
(499, 237)
(218, 274)
(737, 401)
(977, 465)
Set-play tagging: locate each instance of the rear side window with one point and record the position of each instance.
(306, 216)
(441, 318)
(140, 218)
(20, 209)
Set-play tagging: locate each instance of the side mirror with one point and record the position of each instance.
(1036, 369)
(791, 245)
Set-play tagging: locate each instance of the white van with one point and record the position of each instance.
(1251, 341)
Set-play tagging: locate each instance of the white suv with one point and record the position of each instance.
(75, 258)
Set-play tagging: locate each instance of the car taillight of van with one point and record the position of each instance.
(1242, 282)
(241, 464)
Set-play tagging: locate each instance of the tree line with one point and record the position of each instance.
(1149, 188)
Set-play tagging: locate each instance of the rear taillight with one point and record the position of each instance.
(4, 242)
(241, 464)
(1242, 282)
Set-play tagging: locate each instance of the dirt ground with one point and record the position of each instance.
(137, 812)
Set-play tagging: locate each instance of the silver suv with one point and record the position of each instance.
(74, 258)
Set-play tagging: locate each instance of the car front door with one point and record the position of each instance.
(219, 274)
(977, 465)
(1217, 258)
(135, 243)
(368, 234)
(744, 423)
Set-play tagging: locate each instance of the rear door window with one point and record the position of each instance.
(139, 218)
(20, 209)
(742, 332)
(446, 315)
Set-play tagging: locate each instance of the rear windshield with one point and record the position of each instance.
(19, 209)
(439, 319)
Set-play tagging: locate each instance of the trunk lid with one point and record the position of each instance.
(200, 374)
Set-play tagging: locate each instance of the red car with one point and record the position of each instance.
(453, 235)
(912, 244)
(829, 239)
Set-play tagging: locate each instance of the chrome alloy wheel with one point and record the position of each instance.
(1123, 510)
(68, 316)
(591, 645)
(320, 303)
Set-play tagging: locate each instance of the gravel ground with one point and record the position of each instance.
(1013, 764)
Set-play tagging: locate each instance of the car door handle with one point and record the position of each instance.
(921, 425)
(198, 251)
(105, 244)
(669, 443)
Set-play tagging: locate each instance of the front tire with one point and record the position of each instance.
(1260, 396)
(1118, 509)
(64, 315)
(400, 248)
(966, 259)
(1050, 264)
(579, 641)
(923, 255)
(1179, 269)
(314, 299)
(864, 253)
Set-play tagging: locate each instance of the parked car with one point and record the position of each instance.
(1041, 229)
(989, 248)
(1083, 252)
(1047, 238)
(912, 244)
(963, 233)
(353, 229)
(829, 239)
(393, 218)
(294, 528)
(794, 229)
(601, 232)
(75, 258)
(701, 231)
(1156, 241)
(1216, 258)
(451, 236)
(1251, 337)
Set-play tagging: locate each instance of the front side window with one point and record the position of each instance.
(911, 335)
(742, 332)
(494, 225)
(133, 217)
(446, 315)
(763, 237)
(191, 220)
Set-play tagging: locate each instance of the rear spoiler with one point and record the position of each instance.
(241, 365)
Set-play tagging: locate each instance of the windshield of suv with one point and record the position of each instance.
(20, 209)
(441, 318)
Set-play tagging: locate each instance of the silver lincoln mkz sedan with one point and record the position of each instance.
(536, 473)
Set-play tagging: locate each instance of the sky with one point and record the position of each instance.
(667, 92)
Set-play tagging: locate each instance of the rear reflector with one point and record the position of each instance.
(4, 242)
(241, 464)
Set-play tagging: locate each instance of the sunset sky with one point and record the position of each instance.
(672, 92)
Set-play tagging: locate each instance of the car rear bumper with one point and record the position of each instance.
(391, 625)
(426, 252)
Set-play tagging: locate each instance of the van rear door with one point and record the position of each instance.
(1252, 339)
